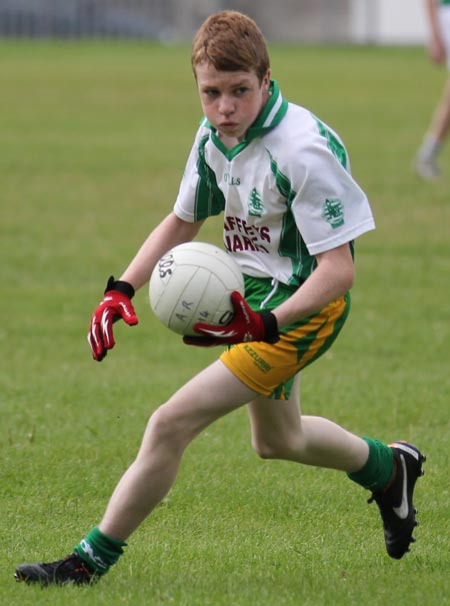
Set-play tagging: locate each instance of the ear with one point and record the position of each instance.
(266, 80)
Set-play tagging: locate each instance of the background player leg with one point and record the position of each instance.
(427, 157)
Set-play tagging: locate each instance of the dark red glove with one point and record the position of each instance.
(246, 325)
(116, 304)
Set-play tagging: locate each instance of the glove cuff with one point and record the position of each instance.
(270, 327)
(121, 286)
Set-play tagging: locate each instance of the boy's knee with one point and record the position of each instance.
(270, 449)
(284, 445)
(168, 424)
(262, 450)
(163, 424)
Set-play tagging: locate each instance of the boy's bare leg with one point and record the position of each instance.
(208, 396)
(279, 431)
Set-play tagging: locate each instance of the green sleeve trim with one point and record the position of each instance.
(334, 145)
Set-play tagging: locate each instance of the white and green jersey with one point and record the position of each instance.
(286, 191)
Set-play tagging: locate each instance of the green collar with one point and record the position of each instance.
(272, 114)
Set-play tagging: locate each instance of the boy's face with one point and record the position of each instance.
(231, 100)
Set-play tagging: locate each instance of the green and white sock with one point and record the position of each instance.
(379, 468)
(99, 551)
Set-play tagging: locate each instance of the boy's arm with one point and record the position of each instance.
(331, 279)
(170, 232)
(116, 303)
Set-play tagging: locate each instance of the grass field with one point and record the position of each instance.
(93, 140)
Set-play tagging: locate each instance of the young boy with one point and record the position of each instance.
(295, 248)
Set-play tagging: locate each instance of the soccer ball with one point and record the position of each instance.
(193, 283)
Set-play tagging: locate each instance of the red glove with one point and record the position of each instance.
(246, 325)
(116, 304)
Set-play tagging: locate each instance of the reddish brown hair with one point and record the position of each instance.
(231, 41)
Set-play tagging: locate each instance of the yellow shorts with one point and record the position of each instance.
(270, 369)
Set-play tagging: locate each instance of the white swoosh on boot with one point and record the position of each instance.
(402, 510)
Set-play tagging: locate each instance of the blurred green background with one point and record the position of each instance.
(93, 141)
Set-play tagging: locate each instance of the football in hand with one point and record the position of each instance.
(193, 283)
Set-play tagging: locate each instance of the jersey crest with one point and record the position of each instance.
(333, 212)
(255, 204)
